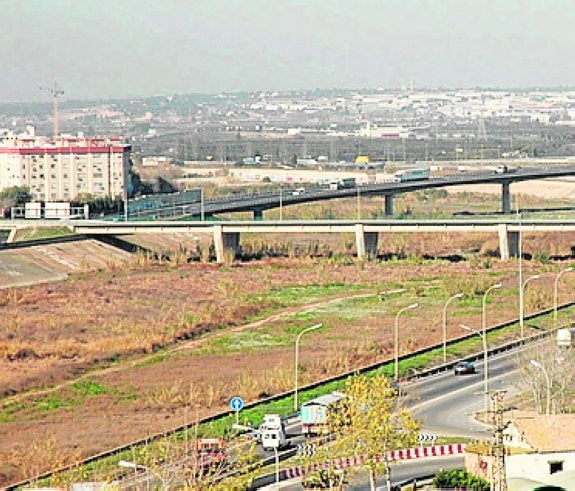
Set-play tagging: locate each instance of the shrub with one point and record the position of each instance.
(456, 478)
(541, 257)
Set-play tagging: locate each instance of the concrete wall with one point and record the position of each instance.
(536, 465)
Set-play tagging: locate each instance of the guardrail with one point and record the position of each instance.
(342, 376)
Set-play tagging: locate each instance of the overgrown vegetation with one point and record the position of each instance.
(456, 478)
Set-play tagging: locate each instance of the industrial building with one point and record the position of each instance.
(64, 168)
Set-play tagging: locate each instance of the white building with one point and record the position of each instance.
(546, 445)
(540, 450)
(65, 168)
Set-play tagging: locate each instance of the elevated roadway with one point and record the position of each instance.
(258, 203)
(226, 235)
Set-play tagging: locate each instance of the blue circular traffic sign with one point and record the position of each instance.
(237, 403)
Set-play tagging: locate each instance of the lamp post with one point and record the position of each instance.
(485, 361)
(358, 202)
(277, 466)
(484, 330)
(281, 203)
(547, 379)
(522, 303)
(555, 297)
(133, 465)
(444, 331)
(202, 211)
(316, 326)
(396, 337)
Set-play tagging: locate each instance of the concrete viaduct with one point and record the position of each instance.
(226, 235)
(258, 203)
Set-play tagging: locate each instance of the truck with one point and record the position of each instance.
(411, 175)
(272, 432)
(344, 183)
(314, 413)
(504, 169)
(210, 452)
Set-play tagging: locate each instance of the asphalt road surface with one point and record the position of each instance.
(407, 470)
(446, 404)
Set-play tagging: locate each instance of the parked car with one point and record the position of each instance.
(463, 368)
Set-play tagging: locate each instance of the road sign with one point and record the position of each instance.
(237, 404)
(306, 449)
(426, 437)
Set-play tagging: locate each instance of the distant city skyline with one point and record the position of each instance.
(135, 48)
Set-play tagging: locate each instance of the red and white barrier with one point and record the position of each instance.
(394, 455)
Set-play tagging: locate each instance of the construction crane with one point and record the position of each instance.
(55, 92)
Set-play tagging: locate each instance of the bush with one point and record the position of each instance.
(457, 478)
(542, 257)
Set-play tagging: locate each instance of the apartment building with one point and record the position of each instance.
(65, 168)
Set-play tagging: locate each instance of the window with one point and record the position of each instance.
(555, 466)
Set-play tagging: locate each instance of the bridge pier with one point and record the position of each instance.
(508, 243)
(366, 242)
(258, 214)
(225, 242)
(388, 205)
(505, 198)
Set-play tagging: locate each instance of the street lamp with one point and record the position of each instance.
(522, 302)
(202, 206)
(539, 365)
(133, 465)
(457, 295)
(484, 330)
(566, 270)
(485, 361)
(396, 337)
(316, 326)
(277, 466)
(281, 203)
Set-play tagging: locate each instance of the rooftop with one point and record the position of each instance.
(546, 433)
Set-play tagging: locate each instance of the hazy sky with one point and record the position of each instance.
(118, 48)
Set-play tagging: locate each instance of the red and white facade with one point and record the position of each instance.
(65, 168)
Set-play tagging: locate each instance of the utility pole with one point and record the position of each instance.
(498, 480)
(55, 92)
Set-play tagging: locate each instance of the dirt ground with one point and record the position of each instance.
(150, 393)
(128, 350)
(560, 188)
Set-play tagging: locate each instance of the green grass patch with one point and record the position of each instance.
(52, 403)
(294, 295)
(36, 233)
(88, 388)
(154, 359)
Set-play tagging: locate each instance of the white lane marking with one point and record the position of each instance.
(463, 389)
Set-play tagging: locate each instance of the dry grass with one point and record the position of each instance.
(53, 332)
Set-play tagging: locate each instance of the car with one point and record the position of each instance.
(463, 368)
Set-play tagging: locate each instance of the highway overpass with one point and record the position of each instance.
(226, 235)
(258, 203)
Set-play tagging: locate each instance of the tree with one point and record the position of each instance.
(369, 422)
(559, 365)
(14, 196)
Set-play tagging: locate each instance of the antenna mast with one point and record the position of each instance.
(55, 92)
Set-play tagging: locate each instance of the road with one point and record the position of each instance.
(446, 404)
(407, 470)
